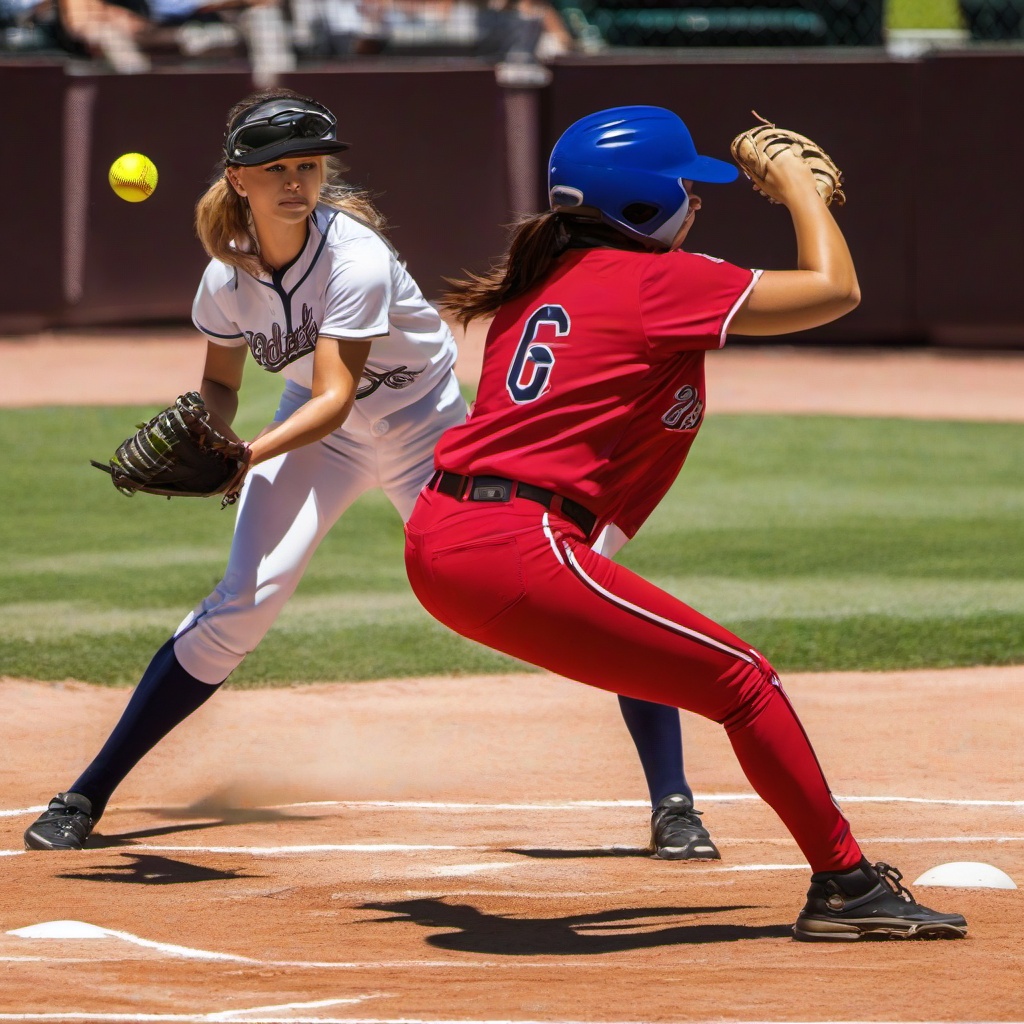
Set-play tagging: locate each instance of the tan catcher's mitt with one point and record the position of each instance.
(754, 150)
(179, 453)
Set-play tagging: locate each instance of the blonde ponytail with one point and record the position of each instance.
(224, 225)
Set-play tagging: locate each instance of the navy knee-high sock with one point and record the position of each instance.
(659, 742)
(165, 696)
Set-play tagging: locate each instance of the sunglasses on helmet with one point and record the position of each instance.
(273, 135)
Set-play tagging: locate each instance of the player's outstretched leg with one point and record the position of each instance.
(165, 696)
(597, 622)
(677, 833)
(869, 902)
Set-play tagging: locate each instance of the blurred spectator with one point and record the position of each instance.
(259, 26)
(553, 36)
(128, 33)
(491, 29)
(114, 31)
(513, 29)
(424, 22)
(268, 40)
(340, 28)
(28, 25)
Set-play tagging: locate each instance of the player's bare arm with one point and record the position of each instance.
(824, 286)
(222, 377)
(337, 366)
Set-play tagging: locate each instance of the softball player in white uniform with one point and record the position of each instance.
(346, 283)
(301, 277)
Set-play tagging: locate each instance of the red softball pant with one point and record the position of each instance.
(522, 580)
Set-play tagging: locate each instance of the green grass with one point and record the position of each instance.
(910, 14)
(829, 543)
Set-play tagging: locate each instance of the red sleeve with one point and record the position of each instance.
(687, 299)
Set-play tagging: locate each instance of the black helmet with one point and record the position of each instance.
(281, 127)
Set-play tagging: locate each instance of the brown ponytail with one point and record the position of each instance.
(536, 243)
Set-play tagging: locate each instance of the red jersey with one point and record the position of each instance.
(593, 381)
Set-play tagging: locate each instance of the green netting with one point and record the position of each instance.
(993, 19)
(728, 22)
(701, 27)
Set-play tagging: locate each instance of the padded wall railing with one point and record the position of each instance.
(452, 156)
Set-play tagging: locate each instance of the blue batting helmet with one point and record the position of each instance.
(627, 164)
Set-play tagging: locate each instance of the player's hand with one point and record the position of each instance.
(789, 177)
(234, 485)
(770, 157)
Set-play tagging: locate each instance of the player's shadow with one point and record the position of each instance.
(469, 930)
(224, 816)
(145, 869)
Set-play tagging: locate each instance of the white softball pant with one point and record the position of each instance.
(286, 508)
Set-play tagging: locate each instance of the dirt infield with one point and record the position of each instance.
(417, 851)
(115, 366)
(470, 849)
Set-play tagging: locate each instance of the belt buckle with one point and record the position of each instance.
(491, 489)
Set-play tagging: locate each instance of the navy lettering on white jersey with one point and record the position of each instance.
(346, 284)
(398, 378)
(531, 366)
(277, 351)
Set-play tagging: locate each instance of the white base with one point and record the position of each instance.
(967, 875)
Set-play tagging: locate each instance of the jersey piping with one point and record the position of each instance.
(736, 306)
(277, 277)
(214, 334)
(564, 553)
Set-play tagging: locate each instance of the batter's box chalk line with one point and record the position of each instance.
(83, 930)
(568, 805)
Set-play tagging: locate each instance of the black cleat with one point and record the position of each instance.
(677, 832)
(869, 902)
(64, 825)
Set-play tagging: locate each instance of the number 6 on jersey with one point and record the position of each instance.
(530, 369)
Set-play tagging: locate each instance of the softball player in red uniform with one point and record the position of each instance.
(301, 277)
(591, 395)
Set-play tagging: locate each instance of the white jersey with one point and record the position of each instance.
(347, 283)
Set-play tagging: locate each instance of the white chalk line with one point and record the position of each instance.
(242, 1016)
(303, 848)
(84, 930)
(231, 1015)
(70, 930)
(306, 849)
(207, 1018)
(260, 851)
(458, 870)
(361, 965)
(568, 805)
(572, 805)
(65, 931)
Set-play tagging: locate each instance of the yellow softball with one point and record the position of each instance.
(133, 177)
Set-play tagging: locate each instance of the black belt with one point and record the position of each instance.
(497, 488)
